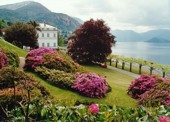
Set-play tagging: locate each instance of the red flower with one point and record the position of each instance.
(164, 119)
(94, 108)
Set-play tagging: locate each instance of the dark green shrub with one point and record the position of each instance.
(9, 76)
(56, 77)
(59, 62)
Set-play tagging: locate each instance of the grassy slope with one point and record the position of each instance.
(119, 83)
(4, 44)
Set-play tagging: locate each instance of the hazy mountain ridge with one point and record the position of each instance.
(129, 35)
(158, 40)
(15, 5)
(29, 10)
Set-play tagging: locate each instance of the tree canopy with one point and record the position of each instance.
(21, 34)
(3, 24)
(91, 42)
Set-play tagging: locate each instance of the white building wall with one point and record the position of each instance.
(46, 36)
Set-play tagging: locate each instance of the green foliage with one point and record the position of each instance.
(3, 24)
(56, 77)
(10, 76)
(61, 41)
(12, 57)
(60, 61)
(91, 42)
(42, 110)
(21, 34)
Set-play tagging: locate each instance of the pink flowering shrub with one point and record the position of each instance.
(159, 94)
(3, 60)
(164, 119)
(34, 57)
(94, 108)
(40, 51)
(91, 85)
(141, 85)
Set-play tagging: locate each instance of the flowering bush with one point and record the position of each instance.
(40, 51)
(12, 56)
(34, 57)
(141, 85)
(3, 60)
(94, 108)
(91, 85)
(159, 94)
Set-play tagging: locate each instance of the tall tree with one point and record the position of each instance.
(34, 24)
(3, 24)
(21, 34)
(91, 42)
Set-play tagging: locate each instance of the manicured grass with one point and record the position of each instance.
(6, 45)
(118, 96)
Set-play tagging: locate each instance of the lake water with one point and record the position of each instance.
(158, 52)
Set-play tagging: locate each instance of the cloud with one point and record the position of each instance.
(126, 14)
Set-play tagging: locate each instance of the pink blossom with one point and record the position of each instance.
(164, 119)
(94, 108)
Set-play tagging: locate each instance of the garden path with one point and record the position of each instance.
(22, 62)
(123, 71)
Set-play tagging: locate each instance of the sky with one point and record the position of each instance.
(137, 15)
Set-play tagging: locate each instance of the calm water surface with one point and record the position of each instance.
(158, 52)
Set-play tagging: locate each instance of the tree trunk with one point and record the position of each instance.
(123, 65)
(140, 69)
(110, 62)
(130, 66)
(151, 69)
(116, 63)
(163, 74)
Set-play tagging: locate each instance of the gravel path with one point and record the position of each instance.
(124, 72)
(22, 62)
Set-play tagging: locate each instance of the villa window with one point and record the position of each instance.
(43, 45)
(54, 35)
(54, 44)
(48, 44)
(42, 34)
(48, 35)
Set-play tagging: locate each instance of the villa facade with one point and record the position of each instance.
(48, 36)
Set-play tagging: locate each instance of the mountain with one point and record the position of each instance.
(12, 16)
(29, 10)
(126, 35)
(158, 40)
(78, 20)
(129, 35)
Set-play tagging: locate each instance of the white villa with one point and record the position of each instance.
(48, 36)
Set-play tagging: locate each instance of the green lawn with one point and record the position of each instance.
(119, 83)
(4, 44)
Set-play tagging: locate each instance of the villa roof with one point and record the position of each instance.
(46, 26)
